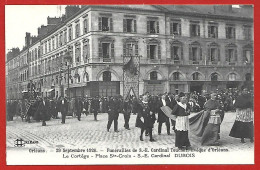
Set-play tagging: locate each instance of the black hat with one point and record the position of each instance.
(181, 94)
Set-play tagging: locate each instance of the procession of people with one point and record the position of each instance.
(199, 114)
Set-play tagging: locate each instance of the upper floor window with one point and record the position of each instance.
(231, 53)
(129, 25)
(106, 76)
(154, 49)
(65, 36)
(213, 31)
(130, 47)
(195, 51)
(247, 54)
(53, 45)
(77, 33)
(85, 22)
(152, 27)
(154, 75)
(77, 52)
(176, 50)
(232, 77)
(176, 76)
(175, 27)
(70, 33)
(194, 29)
(214, 77)
(213, 52)
(85, 50)
(247, 32)
(61, 39)
(196, 76)
(57, 41)
(49, 45)
(106, 48)
(105, 23)
(230, 32)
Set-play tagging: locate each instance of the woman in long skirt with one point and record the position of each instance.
(243, 126)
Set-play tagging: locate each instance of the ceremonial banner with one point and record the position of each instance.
(167, 111)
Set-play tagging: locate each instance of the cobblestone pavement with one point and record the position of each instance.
(89, 133)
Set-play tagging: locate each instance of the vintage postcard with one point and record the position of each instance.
(129, 84)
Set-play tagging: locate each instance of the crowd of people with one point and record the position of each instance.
(208, 112)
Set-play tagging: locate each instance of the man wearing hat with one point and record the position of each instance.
(144, 118)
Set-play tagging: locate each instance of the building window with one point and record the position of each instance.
(176, 76)
(152, 27)
(175, 28)
(194, 30)
(230, 32)
(78, 53)
(49, 45)
(248, 77)
(213, 31)
(77, 30)
(154, 51)
(61, 39)
(65, 36)
(196, 76)
(214, 77)
(247, 32)
(231, 53)
(45, 50)
(53, 45)
(153, 75)
(175, 53)
(105, 24)
(106, 76)
(213, 53)
(85, 22)
(130, 48)
(57, 41)
(232, 77)
(70, 33)
(85, 51)
(194, 52)
(247, 56)
(105, 50)
(129, 25)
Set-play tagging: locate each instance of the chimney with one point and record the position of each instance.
(27, 39)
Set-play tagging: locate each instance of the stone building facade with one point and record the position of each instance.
(181, 48)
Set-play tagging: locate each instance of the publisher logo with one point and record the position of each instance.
(19, 143)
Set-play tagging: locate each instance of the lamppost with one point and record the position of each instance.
(68, 59)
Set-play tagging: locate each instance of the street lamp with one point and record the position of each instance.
(68, 59)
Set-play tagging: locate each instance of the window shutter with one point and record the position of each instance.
(158, 28)
(100, 49)
(234, 33)
(181, 52)
(216, 31)
(112, 50)
(136, 49)
(135, 25)
(171, 28)
(124, 25)
(124, 49)
(209, 31)
(190, 52)
(200, 53)
(235, 54)
(148, 27)
(111, 25)
(226, 32)
(172, 52)
(198, 30)
(159, 51)
(148, 51)
(87, 26)
(179, 25)
(99, 23)
(226, 51)
(209, 56)
(218, 54)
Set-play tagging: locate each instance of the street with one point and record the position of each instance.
(90, 133)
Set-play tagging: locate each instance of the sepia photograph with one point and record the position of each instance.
(129, 84)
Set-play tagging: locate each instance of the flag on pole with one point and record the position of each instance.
(130, 67)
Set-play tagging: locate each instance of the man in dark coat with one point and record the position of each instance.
(95, 107)
(63, 107)
(79, 107)
(173, 103)
(113, 113)
(162, 118)
(144, 119)
(43, 110)
(127, 113)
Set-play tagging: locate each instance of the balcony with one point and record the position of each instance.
(105, 28)
(196, 62)
(172, 61)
